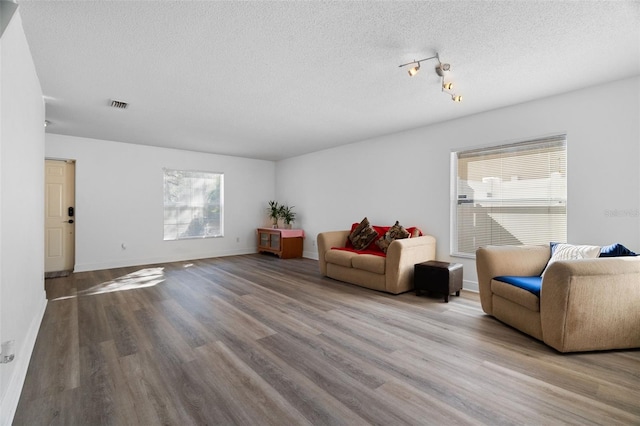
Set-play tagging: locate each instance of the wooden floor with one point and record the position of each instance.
(256, 340)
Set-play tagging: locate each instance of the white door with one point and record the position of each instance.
(59, 214)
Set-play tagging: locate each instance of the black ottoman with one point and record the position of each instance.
(438, 277)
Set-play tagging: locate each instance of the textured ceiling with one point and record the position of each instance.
(274, 80)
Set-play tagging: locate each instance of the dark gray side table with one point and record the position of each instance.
(438, 277)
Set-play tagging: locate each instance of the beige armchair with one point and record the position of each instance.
(584, 305)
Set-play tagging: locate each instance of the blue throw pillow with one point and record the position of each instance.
(615, 250)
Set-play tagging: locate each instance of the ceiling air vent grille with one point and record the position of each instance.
(119, 104)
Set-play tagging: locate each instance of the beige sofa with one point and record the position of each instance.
(392, 274)
(584, 305)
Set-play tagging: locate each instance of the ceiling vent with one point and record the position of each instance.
(119, 104)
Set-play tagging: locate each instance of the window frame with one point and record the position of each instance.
(191, 174)
(558, 140)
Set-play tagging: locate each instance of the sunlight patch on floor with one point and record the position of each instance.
(140, 279)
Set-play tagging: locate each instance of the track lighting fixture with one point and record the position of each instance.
(441, 69)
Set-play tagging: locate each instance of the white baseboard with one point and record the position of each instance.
(10, 401)
(470, 285)
(310, 255)
(123, 263)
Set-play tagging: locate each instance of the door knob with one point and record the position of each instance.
(68, 221)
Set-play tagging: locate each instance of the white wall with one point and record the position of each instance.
(406, 176)
(119, 199)
(22, 296)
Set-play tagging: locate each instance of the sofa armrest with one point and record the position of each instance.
(402, 255)
(326, 240)
(591, 304)
(495, 261)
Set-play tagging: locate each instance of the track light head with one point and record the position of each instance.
(447, 86)
(414, 70)
(442, 68)
(456, 98)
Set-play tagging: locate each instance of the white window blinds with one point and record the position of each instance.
(192, 204)
(510, 194)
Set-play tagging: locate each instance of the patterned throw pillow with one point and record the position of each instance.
(363, 235)
(571, 252)
(396, 232)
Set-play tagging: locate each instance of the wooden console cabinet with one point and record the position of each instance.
(285, 243)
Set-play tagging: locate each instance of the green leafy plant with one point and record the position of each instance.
(287, 214)
(274, 210)
(281, 211)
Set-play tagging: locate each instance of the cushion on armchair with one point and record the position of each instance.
(561, 251)
(616, 250)
(531, 284)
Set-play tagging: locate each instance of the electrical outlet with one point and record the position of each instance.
(7, 353)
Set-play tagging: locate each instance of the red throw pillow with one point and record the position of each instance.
(415, 232)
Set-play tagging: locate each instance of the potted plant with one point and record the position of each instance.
(288, 215)
(274, 212)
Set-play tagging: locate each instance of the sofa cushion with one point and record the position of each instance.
(616, 250)
(363, 235)
(396, 232)
(368, 262)
(531, 284)
(561, 251)
(340, 257)
(515, 295)
(368, 250)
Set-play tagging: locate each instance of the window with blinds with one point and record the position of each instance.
(192, 204)
(509, 194)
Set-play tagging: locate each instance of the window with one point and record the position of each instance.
(192, 204)
(509, 194)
